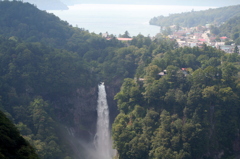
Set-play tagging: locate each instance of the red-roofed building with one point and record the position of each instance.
(124, 39)
(223, 38)
(202, 40)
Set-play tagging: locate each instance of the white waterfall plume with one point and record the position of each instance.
(103, 142)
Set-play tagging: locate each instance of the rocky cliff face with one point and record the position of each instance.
(112, 89)
(85, 109)
(84, 112)
(79, 113)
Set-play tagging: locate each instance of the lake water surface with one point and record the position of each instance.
(116, 19)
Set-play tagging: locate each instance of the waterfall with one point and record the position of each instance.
(103, 141)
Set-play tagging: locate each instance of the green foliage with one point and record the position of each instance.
(40, 66)
(161, 115)
(12, 143)
(195, 18)
(231, 29)
(36, 26)
(32, 69)
(197, 102)
(125, 35)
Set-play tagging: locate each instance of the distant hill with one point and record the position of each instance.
(25, 21)
(62, 4)
(214, 3)
(195, 18)
(231, 29)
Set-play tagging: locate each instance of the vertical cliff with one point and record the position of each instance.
(78, 114)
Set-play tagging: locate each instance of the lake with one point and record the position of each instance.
(116, 19)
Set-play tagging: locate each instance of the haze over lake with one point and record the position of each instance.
(116, 19)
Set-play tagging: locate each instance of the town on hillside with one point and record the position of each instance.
(197, 36)
(189, 37)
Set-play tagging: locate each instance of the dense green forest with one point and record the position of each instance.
(32, 77)
(192, 19)
(182, 113)
(13, 144)
(44, 61)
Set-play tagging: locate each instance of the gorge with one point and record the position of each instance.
(49, 80)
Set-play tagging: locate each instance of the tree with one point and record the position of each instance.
(167, 31)
(125, 35)
(236, 50)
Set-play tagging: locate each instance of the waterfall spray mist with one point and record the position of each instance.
(103, 141)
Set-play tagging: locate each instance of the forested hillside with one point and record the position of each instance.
(41, 70)
(24, 22)
(32, 77)
(174, 102)
(49, 69)
(191, 111)
(195, 18)
(231, 29)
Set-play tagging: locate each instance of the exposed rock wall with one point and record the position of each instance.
(85, 112)
(112, 90)
(78, 115)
